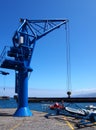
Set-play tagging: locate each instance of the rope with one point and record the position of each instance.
(68, 80)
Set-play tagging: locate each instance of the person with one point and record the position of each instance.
(62, 102)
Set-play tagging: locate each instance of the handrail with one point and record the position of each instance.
(3, 54)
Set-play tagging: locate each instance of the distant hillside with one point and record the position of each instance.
(86, 95)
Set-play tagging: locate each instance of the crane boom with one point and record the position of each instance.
(36, 29)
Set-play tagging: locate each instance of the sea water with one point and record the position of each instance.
(11, 103)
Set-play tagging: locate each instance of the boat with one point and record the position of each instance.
(56, 106)
(75, 111)
(83, 112)
(91, 107)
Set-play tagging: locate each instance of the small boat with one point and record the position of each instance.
(56, 106)
(75, 111)
(91, 107)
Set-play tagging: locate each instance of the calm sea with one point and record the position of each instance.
(11, 103)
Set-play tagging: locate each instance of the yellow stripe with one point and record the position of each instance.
(14, 127)
(60, 124)
(69, 124)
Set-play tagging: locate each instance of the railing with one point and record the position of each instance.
(3, 54)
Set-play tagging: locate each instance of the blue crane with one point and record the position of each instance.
(24, 40)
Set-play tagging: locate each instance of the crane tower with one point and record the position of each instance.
(24, 40)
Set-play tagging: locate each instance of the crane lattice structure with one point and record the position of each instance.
(24, 41)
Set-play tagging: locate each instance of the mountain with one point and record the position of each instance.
(86, 95)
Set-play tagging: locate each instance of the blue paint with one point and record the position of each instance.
(23, 111)
(24, 41)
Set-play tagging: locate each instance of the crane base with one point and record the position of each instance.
(22, 112)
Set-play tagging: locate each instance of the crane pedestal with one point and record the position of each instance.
(22, 89)
(22, 112)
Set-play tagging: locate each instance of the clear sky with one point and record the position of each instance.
(49, 60)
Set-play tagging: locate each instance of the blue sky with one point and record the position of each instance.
(49, 59)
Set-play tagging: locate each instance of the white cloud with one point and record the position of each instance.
(32, 92)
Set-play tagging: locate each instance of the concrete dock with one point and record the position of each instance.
(38, 122)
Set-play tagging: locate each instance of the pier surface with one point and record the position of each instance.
(37, 122)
